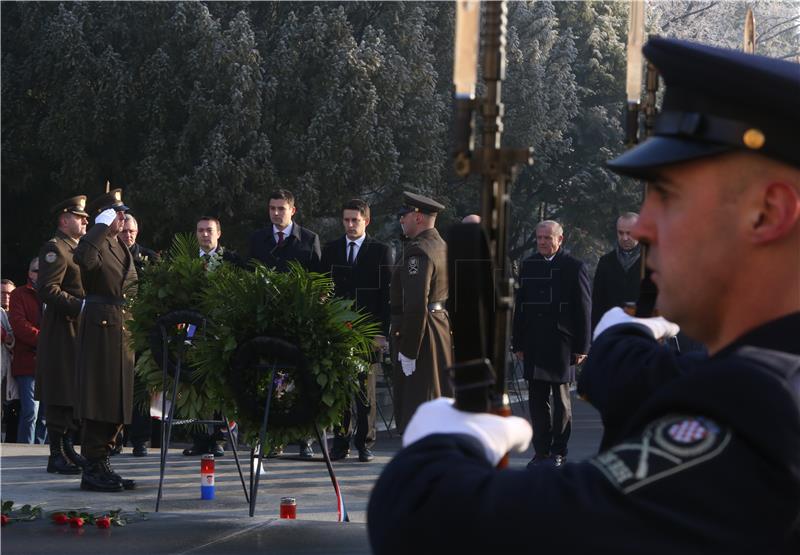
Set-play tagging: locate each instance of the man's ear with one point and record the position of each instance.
(774, 212)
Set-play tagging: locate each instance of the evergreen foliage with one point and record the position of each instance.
(205, 107)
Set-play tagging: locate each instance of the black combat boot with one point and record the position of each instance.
(70, 453)
(57, 463)
(126, 483)
(96, 477)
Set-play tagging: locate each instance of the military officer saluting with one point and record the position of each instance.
(61, 292)
(105, 360)
(420, 325)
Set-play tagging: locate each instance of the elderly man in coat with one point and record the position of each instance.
(105, 360)
(551, 335)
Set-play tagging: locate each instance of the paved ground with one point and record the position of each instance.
(186, 524)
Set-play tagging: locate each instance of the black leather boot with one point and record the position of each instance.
(126, 483)
(70, 453)
(97, 477)
(57, 463)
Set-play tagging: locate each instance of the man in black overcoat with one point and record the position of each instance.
(619, 272)
(550, 336)
(361, 268)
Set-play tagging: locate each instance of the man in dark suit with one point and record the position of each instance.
(360, 267)
(208, 232)
(61, 291)
(139, 431)
(619, 272)
(280, 243)
(105, 360)
(551, 334)
(283, 241)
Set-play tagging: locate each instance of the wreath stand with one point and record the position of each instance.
(187, 322)
(280, 354)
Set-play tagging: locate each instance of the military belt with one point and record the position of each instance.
(101, 299)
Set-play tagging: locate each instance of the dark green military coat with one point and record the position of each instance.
(60, 290)
(419, 280)
(105, 359)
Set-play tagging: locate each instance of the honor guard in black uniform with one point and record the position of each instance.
(105, 359)
(702, 451)
(420, 326)
(60, 289)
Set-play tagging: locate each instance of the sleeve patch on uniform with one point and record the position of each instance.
(413, 265)
(666, 447)
(50, 257)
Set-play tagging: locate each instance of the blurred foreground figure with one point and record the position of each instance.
(701, 452)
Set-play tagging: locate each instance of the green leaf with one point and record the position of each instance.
(322, 379)
(328, 398)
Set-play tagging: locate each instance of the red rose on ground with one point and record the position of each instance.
(348, 325)
(76, 522)
(103, 522)
(4, 519)
(60, 518)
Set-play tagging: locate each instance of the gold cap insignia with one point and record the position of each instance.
(753, 139)
(117, 196)
(82, 203)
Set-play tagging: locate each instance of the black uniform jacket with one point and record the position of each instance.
(302, 245)
(551, 315)
(705, 458)
(366, 281)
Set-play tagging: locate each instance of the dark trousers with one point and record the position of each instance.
(139, 430)
(550, 434)
(363, 432)
(99, 438)
(60, 420)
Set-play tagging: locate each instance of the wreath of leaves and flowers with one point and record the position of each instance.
(298, 307)
(177, 282)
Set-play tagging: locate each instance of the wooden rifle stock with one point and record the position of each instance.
(481, 287)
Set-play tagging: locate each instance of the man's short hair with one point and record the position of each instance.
(6, 281)
(210, 219)
(282, 194)
(357, 204)
(129, 218)
(34, 260)
(556, 226)
(628, 216)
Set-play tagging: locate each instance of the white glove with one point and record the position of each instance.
(497, 434)
(106, 216)
(659, 327)
(408, 364)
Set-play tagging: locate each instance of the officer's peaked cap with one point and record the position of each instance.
(76, 205)
(412, 202)
(716, 101)
(111, 199)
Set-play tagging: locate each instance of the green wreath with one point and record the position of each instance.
(297, 307)
(177, 282)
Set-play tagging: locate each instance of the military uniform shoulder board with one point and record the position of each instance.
(665, 448)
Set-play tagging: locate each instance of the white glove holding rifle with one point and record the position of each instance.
(408, 364)
(661, 328)
(498, 434)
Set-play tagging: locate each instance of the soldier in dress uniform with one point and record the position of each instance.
(60, 289)
(687, 436)
(105, 360)
(420, 326)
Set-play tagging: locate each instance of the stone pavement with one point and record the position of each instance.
(185, 524)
